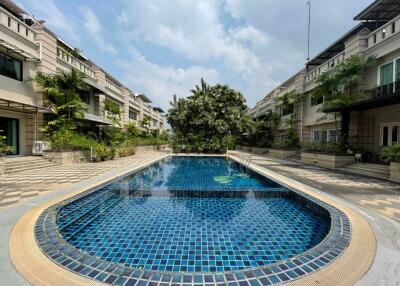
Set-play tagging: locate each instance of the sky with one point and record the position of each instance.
(164, 47)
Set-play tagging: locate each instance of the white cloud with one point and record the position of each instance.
(161, 82)
(55, 19)
(95, 30)
(193, 29)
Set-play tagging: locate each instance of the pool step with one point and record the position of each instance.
(371, 170)
(19, 164)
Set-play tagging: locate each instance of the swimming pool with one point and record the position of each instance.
(192, 220)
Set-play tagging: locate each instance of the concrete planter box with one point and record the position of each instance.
(395, 172)
(281, 153)
(327, 160)
(64, 158)
(2, 166)
(150, 148)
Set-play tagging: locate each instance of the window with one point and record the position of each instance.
(322, 136)
(383, 33)
(393, 27)
(316, 100)
(10, 67)
(85, 97)
(390, 134)
(374, 39)
(132, 115)
(316, 135)
(386, 74)
(333, 135)
(287, 109)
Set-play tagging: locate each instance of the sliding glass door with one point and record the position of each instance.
(9, 127)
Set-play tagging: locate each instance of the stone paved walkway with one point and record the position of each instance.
(379, 195)
(20, 186)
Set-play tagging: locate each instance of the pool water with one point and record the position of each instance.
(192, 214)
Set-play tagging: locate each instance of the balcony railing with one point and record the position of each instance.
(327, 66)
(74, 62)
(386, 90)
(14, 24)
(113, 87)
(384, 32)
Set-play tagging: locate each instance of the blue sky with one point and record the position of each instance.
(164, 47)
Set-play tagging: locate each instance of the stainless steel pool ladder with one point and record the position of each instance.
(245, 160)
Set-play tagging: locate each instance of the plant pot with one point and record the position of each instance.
(327, 160)
(395, 172)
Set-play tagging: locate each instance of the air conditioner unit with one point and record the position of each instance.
(39, 146)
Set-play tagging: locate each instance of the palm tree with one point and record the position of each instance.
(62, 94)
(338, 88)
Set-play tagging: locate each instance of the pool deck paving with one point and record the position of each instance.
(19, 187)
(376, 200)
(379, 195)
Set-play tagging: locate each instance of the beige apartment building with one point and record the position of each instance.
(375, 117)
(27, 46)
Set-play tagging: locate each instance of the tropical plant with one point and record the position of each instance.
(4, 148)
(339, 88)
(203, 121)
(391, 153)
(132, 131)
(146, 123)
(113, 111)
(323, 147)
(62, 96)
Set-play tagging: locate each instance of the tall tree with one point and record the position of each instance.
(339, 88)
(204, 120)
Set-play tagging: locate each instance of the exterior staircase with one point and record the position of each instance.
(19, 164)
(372, 170)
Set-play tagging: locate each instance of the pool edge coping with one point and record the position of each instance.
(24, 251)
(360, 251)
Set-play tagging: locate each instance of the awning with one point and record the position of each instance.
(368, 104)
(144, 98)
(97, 119)
(12, 49)
(158, 109)
(380, 10)
(22, 107)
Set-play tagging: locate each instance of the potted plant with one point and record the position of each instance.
(392, 154)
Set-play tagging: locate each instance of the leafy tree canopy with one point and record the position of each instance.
(204, 120)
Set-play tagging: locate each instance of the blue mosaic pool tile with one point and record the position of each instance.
(77, 214)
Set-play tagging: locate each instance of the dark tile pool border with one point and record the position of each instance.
(65, 255)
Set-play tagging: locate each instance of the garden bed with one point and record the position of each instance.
(327, 160)
(395, 172)
(281, 153)
(64, 157)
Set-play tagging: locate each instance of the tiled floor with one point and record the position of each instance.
(22, 185)
(380, 195)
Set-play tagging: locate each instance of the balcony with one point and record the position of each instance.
(73, 62)
(380, 96)
(326, 66)
(115, 89)
(386, 31)
(17, 26)
(390, 89)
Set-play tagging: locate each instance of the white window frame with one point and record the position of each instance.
(394, 61)
(390, 125)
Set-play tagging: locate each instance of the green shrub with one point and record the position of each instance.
(66, 139)
(391, 153)
(4, 148)
(102, 152)
(323, 147)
